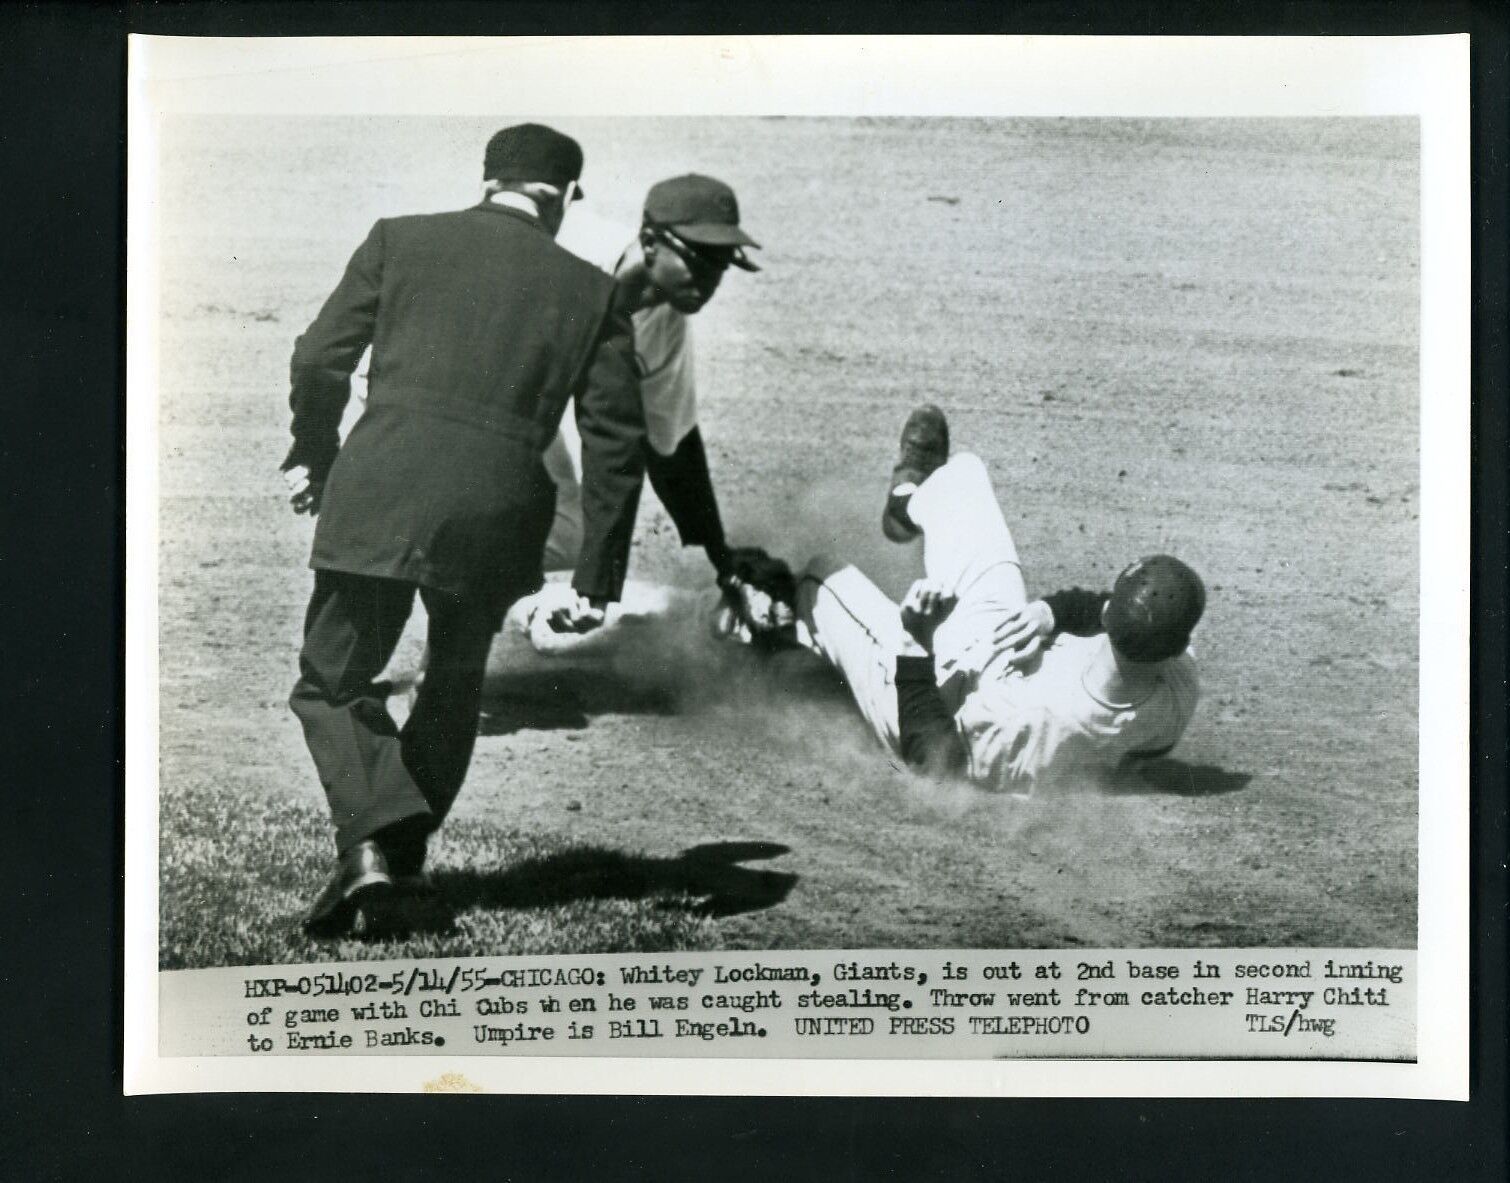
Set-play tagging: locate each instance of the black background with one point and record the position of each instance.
(62, 272)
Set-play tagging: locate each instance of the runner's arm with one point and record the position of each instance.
(928, 738)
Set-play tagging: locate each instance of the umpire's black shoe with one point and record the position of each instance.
(925, 447)
(352, 902)
(404, 844)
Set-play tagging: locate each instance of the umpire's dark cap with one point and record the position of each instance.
(1154, 605)
(532, 152)
(702, 210)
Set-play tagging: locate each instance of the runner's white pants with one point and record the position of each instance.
(968, 551)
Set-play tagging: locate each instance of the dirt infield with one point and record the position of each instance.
(1187, 336)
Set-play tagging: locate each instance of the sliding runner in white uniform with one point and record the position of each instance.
(969, 675)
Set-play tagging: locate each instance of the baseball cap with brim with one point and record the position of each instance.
(701, 210)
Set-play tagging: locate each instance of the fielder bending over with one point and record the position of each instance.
(967, 674)
(666, 271)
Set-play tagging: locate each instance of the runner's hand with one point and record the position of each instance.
(925, 606)
(1022, 634)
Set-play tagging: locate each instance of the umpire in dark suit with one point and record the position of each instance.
(481, 329)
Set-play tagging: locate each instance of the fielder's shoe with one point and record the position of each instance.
(351, 902)
(925, 447)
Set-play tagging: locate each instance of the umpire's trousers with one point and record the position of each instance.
(375, 773)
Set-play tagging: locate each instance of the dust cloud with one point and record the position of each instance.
(791, 700)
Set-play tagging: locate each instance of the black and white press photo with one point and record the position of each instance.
(973, 568)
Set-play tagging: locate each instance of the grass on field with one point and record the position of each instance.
(236, 875)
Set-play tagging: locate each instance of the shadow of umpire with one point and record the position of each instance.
(706, 880)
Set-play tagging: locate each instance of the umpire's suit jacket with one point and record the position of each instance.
(481, 329)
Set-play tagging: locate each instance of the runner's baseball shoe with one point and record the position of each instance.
(925, 447)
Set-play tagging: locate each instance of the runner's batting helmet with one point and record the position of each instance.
(1154, 605)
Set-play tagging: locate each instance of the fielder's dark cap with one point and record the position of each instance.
(532, 152)
(701, 210)
(1154, 605)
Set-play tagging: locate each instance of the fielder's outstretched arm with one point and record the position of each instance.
(685, 486)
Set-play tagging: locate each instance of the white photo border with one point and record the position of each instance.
(1425, 77)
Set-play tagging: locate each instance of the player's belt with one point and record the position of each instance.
(485, 418)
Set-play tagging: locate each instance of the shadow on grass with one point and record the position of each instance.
(1179, 779)
(709, 874)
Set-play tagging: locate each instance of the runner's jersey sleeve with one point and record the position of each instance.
(1162, 721)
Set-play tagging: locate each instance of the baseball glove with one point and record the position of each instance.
(759, 599)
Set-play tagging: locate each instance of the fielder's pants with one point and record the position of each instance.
(375, 773)
(563, 546)
(968, 550)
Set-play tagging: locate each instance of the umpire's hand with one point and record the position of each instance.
(303, 493)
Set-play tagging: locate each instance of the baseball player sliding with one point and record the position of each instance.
(969, 675)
